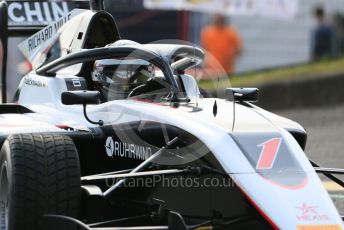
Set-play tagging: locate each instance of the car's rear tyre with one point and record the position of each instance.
(39, 174)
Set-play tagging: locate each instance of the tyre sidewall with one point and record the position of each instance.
(6, 164)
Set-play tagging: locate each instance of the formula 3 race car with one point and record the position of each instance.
(120, 137)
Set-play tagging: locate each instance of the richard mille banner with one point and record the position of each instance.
(281, 9)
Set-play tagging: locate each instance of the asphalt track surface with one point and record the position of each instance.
(325, 145)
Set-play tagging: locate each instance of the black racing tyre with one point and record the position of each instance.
(39, 174)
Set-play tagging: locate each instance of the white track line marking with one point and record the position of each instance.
(332, 186)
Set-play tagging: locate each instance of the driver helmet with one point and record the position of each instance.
(115, 78)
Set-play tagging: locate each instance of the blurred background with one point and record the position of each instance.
(274, 34)
(292, 50)
(269, 40)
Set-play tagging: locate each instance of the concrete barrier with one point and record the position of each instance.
(305, 92)
(299, 93)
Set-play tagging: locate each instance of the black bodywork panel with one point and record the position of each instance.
(14, 108)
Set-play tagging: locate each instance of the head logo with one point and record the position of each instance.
(109, 146)
(311, 213)
(307, 209)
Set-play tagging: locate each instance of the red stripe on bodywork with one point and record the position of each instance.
(261, 212)
(291, 187)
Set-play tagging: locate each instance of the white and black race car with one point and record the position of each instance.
(119, 137)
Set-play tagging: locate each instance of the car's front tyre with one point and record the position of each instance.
(39, 174)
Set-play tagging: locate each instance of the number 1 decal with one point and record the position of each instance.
(268, 154)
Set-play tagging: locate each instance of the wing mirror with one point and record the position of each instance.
(82, 97)
(242, 94)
